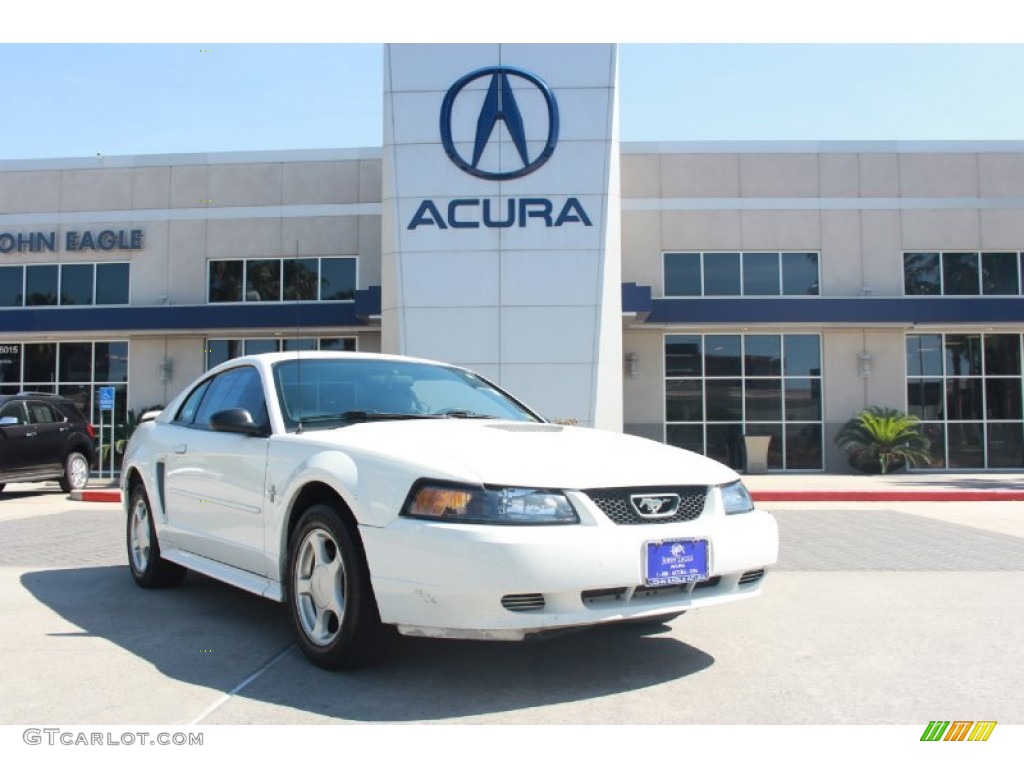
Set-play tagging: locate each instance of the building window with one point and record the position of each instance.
(40, 285)
(720, 387)
(330, 278)
(996, 273)
(966, 388)
(222, 350)
(754, 273)
(74, 369)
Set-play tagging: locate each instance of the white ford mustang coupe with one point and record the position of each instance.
(368, 490)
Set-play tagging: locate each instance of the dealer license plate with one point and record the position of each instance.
(678, 561)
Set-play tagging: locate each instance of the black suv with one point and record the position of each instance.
(44, 437)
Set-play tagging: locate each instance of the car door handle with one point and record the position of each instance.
(180, 448)
(31, 434)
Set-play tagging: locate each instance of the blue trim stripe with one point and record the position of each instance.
(205, 317)
(859, 310)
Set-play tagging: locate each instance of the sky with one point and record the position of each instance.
(78, 90)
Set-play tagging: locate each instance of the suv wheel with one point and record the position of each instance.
(148, 569)
(329, 593)
(76, 472)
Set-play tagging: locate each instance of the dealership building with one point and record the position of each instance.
(691, 292)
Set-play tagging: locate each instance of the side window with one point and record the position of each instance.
(15, 410)
(41, 413)
(238, 388)
(187, 413)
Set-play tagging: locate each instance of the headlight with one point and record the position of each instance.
(494, 506)
(736, 498)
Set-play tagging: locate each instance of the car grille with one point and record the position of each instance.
(752, 577)
(617, 505)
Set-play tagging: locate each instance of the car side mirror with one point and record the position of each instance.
(237, 420)
(148, 416)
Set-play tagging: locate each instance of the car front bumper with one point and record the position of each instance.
(455, 580)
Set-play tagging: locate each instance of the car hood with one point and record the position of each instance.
(525, 454)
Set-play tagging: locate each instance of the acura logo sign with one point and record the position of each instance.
(500, 105)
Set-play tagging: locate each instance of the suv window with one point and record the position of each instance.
(237, 388)
(14, 410)
(42, 413)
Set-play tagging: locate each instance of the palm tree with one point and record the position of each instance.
(880, 439)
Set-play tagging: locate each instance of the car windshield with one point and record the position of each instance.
(319, 392)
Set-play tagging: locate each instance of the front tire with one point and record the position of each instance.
(329, 593)
(148, 569)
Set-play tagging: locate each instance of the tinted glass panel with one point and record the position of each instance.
(112, 283)
(1002, 399)
(683, 356)
(346, 344)
(111, 361)
(76, 283)
(221, 350)
(226, 280)
(803, 355)
(10, 286)
(966, 446)
(764, 399)
(925, 398)
(301, 277)
(803, 399)
(721, 274)
(774, 431)
(80, 395)
(963, 355)
(686, 436)
(800, 275)
(960, 274)
(40, 363)
(41, 285)
(963, 399)
(337, 279)
(722, 356)
(293, 345)
(263, 280)
(936, 434)
(259, 346)
(803, 446)
(724, 399)
(1002, 354)
(763, 355)
(725, 444)
(684, 400)
(999, 274)
(75, 362)
(1005, 445)
(10, 363)
(921, 274)
(924, 355)
(682, 274)
(761, 274)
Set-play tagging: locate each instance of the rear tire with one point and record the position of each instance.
(2, 487)
(149, 570)
(76, 472)
(330, 597)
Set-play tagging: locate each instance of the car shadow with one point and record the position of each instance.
(209, 634)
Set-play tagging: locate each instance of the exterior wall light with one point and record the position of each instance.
(631, 364)
(165, 370)
(865, 364)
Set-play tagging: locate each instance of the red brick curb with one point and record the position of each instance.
(96, 495)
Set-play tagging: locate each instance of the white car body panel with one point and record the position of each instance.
(223, 507)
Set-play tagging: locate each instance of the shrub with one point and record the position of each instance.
(882, 439)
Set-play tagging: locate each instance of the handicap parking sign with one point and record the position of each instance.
(106, 398)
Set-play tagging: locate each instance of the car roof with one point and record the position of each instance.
(270, 358)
